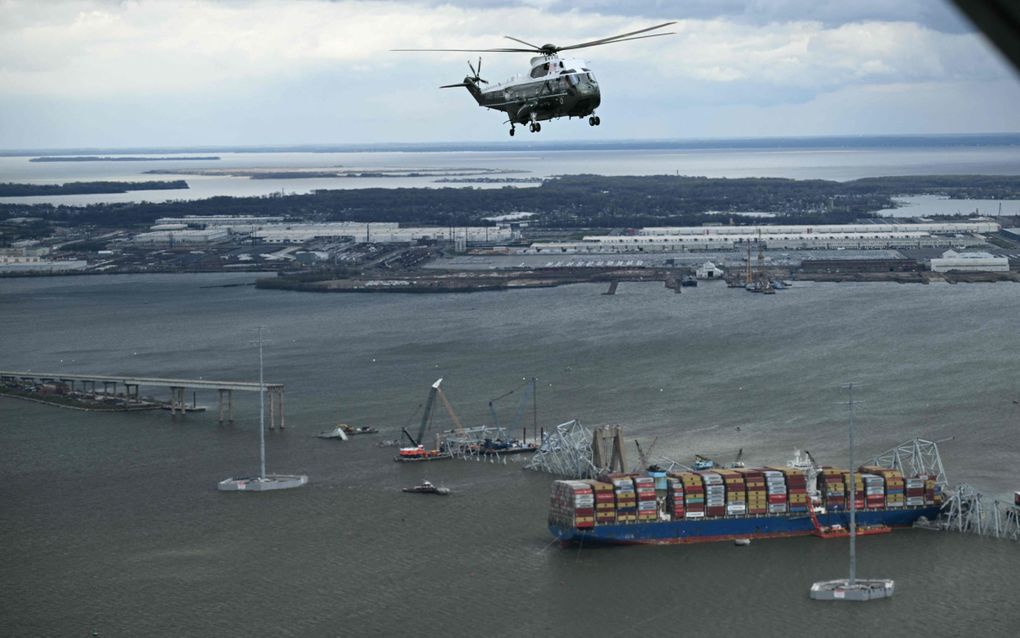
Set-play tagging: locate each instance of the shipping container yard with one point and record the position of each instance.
(727, 504)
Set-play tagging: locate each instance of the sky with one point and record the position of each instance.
(132, 73)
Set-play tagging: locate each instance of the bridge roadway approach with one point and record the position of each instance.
(177, 387)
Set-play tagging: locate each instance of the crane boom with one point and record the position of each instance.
(427, 414)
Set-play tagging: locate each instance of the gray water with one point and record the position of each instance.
(813, 163)
(112, 521)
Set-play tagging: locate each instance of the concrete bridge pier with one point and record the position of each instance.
(177, 400)
(272, 410)
(230, 404)
(282, 424)
(276, 401)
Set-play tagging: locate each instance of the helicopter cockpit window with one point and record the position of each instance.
(540, 71)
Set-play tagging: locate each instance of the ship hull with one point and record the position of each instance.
(708, 530)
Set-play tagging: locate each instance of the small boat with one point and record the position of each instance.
(689, 281)
(741, 542)
(427, 488)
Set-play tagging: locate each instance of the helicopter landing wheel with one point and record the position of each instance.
(512, 131)
(591, 121)
(598, 120)
(535, 127)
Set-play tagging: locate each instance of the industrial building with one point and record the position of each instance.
(206, 221)
(379, 232)
(181, 237)
(952, 261)
(805, 241)
(940, 228)
(827, 237)
(23, 259)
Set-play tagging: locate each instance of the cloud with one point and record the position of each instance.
(322, 71)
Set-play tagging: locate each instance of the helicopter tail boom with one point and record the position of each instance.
(470, 84)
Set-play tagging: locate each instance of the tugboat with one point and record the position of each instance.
(427, 488)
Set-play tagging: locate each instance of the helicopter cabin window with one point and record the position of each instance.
(540, 70)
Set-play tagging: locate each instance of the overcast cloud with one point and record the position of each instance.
(95, 73)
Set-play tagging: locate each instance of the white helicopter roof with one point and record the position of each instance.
(556, 66)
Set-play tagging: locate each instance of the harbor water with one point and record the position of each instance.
(111, 522)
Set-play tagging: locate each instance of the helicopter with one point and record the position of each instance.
(555, 87)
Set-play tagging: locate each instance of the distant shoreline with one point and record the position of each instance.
(118, 158)
(519, 145)
(11, 189)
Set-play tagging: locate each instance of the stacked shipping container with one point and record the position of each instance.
(646, 504)
(757, 496)
(626, 499)
(736, 493)
(833, 488)
(573, 503)
(675, 498)
(775, 488)
(694, 495)
(605, 502)
(874, 491)
(715, 494)
(796, 489)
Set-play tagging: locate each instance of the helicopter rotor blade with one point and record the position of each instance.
(616, 37)
(640, 37)
(536, 48)
(471, 50)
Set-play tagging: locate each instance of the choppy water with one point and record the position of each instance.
(112, 522)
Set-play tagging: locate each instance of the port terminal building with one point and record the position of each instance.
(381, 233)
(208, 229)
(728, 238)
(953, 261)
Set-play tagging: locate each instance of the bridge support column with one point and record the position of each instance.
(230, 406)
(282, 416)
(220, 392)
(272, 410)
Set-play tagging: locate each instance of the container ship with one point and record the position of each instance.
(740, 503)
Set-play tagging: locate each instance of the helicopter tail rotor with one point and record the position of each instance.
(476, 73)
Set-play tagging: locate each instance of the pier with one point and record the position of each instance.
(225, 390)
